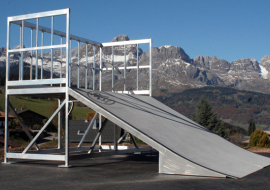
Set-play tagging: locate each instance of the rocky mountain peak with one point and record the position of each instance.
(265, 59)
(122, 37)
(172, 52)
(214, 57)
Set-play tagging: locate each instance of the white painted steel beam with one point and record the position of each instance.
(59, 33)
(150, 70)
(36, 82)
(116, 137)
(36, 156)
(129, 67)
(86, 65)
(37, 26)
(38, 15)
(36, 48)
(60, 123)
(68, 76)
(42, 57)
(88, 129)
(130, 42)
(133, 140)
(83, 148)
(98, 135)
(6, 94)
(46, 90)
(141, 92)
(94, 69)
(109, 153)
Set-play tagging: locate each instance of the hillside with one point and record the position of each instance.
(44, 107)
(232, 106)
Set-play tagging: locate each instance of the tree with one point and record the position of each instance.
(264, 141)
(89, 115)
(259, 138)
(207, 118)
(251, 127)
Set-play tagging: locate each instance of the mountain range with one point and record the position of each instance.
(173, 69)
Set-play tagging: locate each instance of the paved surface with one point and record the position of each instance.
(203, 152)
(117, 172)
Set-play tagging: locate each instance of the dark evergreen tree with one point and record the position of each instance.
(207, 118)
(251, 127)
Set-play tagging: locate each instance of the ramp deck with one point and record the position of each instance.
(184, 146)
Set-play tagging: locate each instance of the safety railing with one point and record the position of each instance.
(124, 44)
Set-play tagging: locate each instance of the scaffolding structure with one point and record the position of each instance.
(59, 87)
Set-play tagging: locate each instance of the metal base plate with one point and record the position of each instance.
(64, 166)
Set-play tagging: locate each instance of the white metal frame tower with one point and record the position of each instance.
(57, 86)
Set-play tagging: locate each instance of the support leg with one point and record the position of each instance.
(100, 126)
(115, 137)
(97, 136)
(122, 137)
(133, 140)
(59, 126)
(6, 129)
(67, 136)
(88, 129)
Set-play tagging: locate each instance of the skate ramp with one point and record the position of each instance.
(184, 146)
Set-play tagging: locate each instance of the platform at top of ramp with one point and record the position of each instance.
(173, 131)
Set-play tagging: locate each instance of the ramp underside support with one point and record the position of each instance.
(170, 163)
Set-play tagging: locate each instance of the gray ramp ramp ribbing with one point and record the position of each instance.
(169, 131)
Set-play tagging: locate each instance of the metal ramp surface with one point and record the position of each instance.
(184, 146)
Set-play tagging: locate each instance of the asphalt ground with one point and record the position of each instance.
(132, 171)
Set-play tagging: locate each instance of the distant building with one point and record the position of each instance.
(30, 118)
(2, 122)
(77, 129)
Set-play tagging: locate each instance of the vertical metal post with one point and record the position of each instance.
(22, 47)
(94, 69)
(86, 65)
(59, 126)
(100, 71)
(115, 137)
(69, 64)
(100, 89)
(78, 76)
(52, 48)
(100, 126)
(67, 86)
(42, 43)
(150, 71)
(31, 60)
(6, 94)
(61, 70)
(20, 61)
(125, 70)
(137, 66)
(112, 69)
(37, 50)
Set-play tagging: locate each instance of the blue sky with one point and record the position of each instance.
(230, 29)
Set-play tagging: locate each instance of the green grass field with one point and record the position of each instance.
(41, 106)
